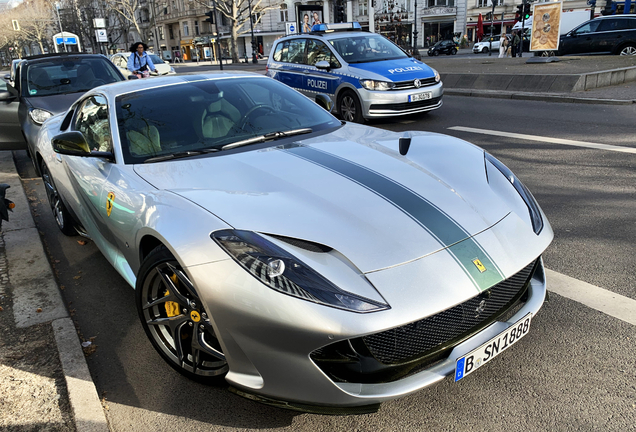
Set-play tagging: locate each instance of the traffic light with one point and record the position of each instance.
(526, 10)
(518, 13)
(210, 17)
(341, 15)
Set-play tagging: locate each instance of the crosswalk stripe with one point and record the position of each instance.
(543, 139)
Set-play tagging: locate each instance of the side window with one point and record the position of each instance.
(92, 121)
(318, 51)
(296, 51)
(608, 25)
(280, 53)
(587, 28)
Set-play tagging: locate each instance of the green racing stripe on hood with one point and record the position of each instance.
(459, 243)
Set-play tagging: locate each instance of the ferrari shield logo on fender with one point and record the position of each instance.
(109, 203)
(479, 265)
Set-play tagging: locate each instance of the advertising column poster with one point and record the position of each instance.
(546, 20)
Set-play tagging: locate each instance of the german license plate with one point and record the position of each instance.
(491, 349)
(420, 96)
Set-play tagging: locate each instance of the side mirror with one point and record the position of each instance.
(133, 77)
(74, 144)
(324, 101)
(6, 96)
(7, 77)
(323, 65)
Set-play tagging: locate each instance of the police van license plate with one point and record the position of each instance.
(420, 96)
(495, 346)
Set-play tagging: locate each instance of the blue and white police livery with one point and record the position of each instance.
(365, 74)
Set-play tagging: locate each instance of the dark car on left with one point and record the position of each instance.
(45, 85)
(447, 47)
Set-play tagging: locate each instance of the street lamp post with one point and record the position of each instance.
(254, 57)
(415, 32)
(218, 36)
(492, 19)
(57, 9)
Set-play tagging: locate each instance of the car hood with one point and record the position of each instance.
(54, 104)
(395, 70)
(350, 190)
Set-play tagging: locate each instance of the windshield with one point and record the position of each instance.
(155, 59)
(367, 48)
(68, 75)
(210, 114)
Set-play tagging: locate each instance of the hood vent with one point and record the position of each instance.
(303, 244)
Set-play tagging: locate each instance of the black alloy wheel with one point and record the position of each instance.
(436, 53)
(175, 320)
(454, 51)
(61, 214)
(350, 108)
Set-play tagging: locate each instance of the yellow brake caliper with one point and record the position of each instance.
(172, 308)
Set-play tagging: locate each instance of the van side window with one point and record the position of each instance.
(318, 51)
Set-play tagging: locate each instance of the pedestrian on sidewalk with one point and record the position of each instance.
(503, 45)
(515, 43)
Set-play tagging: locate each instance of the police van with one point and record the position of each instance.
(363, 73)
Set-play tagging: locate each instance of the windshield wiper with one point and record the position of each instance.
(267, 137)
(179, 155)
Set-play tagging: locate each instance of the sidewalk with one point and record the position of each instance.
(45, 384)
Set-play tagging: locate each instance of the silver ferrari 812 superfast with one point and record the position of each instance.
(313, 264)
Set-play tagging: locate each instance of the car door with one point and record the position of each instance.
(319, 80)
(11, 137)
(580, 39)
(611, 33)
(291, 57)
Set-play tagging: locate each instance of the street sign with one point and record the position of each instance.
(100, 35)
(66, 40)
(290, 28)
(16, 25)
(99, 23)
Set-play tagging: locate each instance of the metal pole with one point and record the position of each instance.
(254, 57)
(415, 32)
(523, 27)
(492, 18)
(218, 37)
(57, 9)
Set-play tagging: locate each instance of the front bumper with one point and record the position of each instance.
(396, 102)
(268, 338)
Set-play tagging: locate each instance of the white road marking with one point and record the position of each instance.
(543, 139)
(610, 303)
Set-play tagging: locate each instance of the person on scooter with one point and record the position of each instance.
(139, 62)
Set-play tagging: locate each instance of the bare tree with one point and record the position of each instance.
(36, 19)
(238, 13)
(126, 11)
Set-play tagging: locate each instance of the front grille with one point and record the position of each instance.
(421, 338)
(407, 105)
(405, 85)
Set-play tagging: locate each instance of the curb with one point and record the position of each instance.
(33, 283)
(563, 98)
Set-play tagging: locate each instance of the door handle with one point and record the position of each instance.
(306, 72)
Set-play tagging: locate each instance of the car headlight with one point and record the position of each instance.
(39, 116)
(377, 85)
(281, 271)
(531, 203)
(437, 76)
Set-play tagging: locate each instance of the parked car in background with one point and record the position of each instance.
(46, 85)
(484, 46)
(365, 74)
(121, 61)
(447, 47)
(611, 34)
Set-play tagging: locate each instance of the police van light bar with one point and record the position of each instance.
(324, 28)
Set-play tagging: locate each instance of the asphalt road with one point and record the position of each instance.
(574, 371)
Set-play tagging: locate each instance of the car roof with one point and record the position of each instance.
(43, 57)
(130, 86)
(330, 35)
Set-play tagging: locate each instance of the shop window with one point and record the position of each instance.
(363, 7)
(196, 28)
(186, 30)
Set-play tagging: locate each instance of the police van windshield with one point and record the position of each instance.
(367, 48)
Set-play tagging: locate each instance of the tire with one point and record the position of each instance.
(349, 107)
(454, 51)
(629, 49)
(63, 218)
(435, 53)
(484, 50)
(168, 306)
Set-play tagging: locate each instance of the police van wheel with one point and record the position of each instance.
(350, 108)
